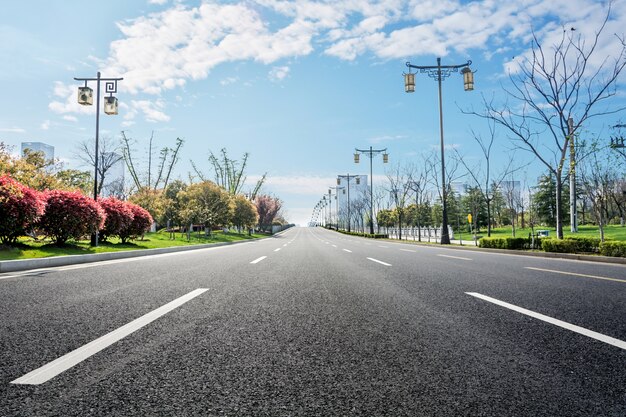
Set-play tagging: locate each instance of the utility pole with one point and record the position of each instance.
(573, 219)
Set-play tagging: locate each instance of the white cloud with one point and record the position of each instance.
(12, 130)
(152, 110)
(45, 125)
(297, 184)
(277, 74)
(159, 2)
(70, 118)
(229, 80)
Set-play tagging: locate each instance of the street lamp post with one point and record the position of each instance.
(85, 98)
(439, 73)
(371, 152)
(336, 205)
(348, 177)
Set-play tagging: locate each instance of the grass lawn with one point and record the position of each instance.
(29, 248)
(611, 232)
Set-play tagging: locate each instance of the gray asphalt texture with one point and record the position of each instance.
(315, 330)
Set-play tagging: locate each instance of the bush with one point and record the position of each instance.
(142, 220)
(367, 235)
(571, 245)
(504, 242)
(69, 214)
(20, 208)
(613, 248)
(119, 216)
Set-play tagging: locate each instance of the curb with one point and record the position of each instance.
(553, 255)
(53, 261)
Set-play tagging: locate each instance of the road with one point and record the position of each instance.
(314, 323)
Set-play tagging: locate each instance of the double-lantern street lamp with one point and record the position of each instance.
(336, 205)
(348, 178)
(371, 152)
(85, 98)
(439, 73)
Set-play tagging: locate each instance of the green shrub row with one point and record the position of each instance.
(368, 235)
(571, 245)
(613, 248)
(505, 242)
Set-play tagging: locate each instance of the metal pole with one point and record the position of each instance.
(573, 215)
(445, 237)
(94, 236)
(348, 203)
(371, 193)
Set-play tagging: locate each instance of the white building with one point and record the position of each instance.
(48, 150)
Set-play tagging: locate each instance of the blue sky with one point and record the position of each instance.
(297, 84)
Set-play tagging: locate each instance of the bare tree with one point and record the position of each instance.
(482, 173)
(108, 155)
(230, 173)
(418, 183)
(400, 191)
(168, 157)
(555, 84)
(599, 178)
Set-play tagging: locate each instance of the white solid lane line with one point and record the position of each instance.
(407, 250)
(380, 262)
(348, 250)
(575, 274)
(257, 260)
(65, 362)
(572, 327)
(454, 257)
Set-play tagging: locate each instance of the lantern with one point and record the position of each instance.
(468, 79)
(385, 158)
(85, 96)
(356, 158)
(110, 105)
(409, 83)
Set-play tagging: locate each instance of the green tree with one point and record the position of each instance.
(244, 213)
(207, 203)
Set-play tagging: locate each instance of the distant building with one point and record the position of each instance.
(359, 188)
(459, 188)
(48, 150)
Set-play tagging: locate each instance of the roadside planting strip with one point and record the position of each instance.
(65, 362)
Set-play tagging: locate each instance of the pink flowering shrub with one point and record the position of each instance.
(119, 217)
(20, 208)
(142, 220)
(69, 214)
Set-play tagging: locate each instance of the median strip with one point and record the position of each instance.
(65, 362)
(572, 327)
(575, 274)
(380, 262)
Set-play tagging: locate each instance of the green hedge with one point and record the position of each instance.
(571, 245)
(613, 248)
(368, 235)
(504, 242)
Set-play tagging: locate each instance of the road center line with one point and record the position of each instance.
(334, 246)
(348, 250)
(277, 249)
(572, 327)
(257, 260)
(575, 274)
(380, 262)
(454, 257)
(65, 362)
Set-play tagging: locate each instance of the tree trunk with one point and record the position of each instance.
(488, 218)
(559, 206)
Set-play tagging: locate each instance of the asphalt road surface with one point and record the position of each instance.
(314, 323)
